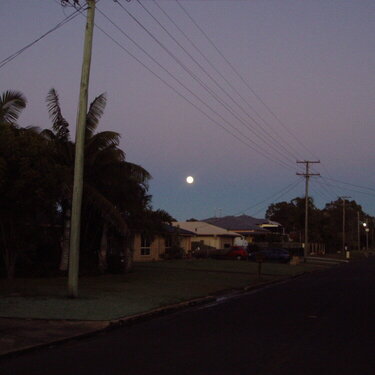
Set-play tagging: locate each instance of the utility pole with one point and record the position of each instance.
(307, 176)
(343, 198)
(79, 153)
(359, 232)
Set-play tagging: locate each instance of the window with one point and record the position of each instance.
(168, 242)
(145, 245)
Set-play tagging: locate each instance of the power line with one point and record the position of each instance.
(225, 104)
(321, 190)
(280, 163)
(229, 84)
(352, 190)
(60, 24)
(324, 188)
(208, 61)
(288, 189)
(199, 81)
(241, 78)
(350, 184)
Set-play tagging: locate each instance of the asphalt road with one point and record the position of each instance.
(321, 323)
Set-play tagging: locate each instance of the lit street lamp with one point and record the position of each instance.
(367, 230)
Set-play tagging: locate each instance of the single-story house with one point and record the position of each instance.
(208, 234)
(147, 248)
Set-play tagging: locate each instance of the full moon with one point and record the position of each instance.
(189, 179)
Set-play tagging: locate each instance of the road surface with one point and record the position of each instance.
(321, 323)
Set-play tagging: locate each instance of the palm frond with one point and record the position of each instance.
(94, 114)
(59, 124)
(111, 157)
(102, 140)
(138, 172)
(11, 105)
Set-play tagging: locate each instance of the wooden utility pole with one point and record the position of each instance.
(343, 198)
(307, 176)
(79, 154)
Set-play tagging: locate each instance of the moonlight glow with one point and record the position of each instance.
(189, 179)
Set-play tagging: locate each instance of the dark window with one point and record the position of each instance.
(145, 246)
(168, 242)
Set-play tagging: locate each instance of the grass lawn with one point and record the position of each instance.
(149, 286)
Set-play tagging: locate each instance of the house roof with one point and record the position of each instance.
(243, 222)
(201, 228)
(171, 229)
(259, 232)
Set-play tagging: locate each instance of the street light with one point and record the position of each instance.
(367, 230)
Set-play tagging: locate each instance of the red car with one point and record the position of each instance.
(237, 252)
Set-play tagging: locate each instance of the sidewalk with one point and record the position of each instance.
(35, 312)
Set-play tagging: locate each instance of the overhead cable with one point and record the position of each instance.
(268, 138)
(183, 85)
(60, 24)
(197, 79)
(240, 77)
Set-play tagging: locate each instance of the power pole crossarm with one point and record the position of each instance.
(307, 176)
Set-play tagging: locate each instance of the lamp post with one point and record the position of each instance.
(366, 230)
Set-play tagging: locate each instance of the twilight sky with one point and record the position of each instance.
(303, 87)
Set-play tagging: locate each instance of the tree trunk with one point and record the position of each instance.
(9, 251)
(128, 257)
(10, 262)
(103, 250)
(64, 242)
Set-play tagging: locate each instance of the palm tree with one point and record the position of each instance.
(107, 176)
(27, 182)
(11, 105)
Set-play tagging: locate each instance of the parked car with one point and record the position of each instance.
(271, 254)
(237, 252)
(234, 252)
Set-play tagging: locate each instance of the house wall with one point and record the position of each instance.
(157, 248)
(185, 243)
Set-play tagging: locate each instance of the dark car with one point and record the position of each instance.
(271, 254)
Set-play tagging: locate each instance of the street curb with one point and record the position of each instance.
(141, 317)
